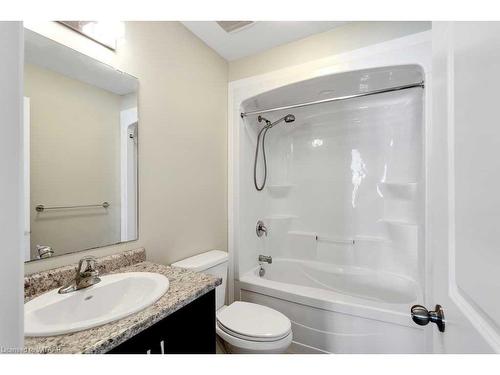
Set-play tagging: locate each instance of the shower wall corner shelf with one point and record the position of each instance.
(281, 217)
(398, 223)
(279, 190)
(360, 238)
(280, 186)
(402, 234)
(399, 190)
(401, 211)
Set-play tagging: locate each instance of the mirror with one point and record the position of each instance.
(80, 144)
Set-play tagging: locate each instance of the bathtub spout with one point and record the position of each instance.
(262, 271)
(265, 259)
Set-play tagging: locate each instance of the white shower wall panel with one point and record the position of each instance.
(326, 174)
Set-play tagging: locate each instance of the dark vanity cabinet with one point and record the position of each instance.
(189, 330)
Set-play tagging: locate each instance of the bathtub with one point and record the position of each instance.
(338, 309)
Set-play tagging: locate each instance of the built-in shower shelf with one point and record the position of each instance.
(279, 186)
(398, 223)
(402, 234)
(281, 216)
(399, 190)
(370, 239)
(279, 190)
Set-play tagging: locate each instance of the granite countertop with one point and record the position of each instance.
(185, 286)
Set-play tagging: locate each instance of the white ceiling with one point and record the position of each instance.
(258, 37)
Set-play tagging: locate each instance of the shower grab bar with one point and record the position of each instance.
(320, 238)
(335, 99)
(335, 240)
(42, 208)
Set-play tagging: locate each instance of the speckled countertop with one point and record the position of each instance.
(185, 286)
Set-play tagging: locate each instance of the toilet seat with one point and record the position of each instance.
(255, 347)
(252, 322)
(227, 331)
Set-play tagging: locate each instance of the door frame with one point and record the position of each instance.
(128, 213)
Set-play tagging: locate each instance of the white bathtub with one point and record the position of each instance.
(338, 309)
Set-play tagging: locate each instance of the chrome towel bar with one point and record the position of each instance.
(42, 208)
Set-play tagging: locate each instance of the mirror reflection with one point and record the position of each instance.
(81, 131)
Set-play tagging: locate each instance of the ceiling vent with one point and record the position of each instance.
(234, 26)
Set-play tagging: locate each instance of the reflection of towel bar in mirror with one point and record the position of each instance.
(42, 208)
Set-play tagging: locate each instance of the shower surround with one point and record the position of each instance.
(344, 200)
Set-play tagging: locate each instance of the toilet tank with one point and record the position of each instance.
(214, 263)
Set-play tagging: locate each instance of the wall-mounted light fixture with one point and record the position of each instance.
(106, 33)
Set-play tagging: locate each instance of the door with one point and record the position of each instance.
(464, 186)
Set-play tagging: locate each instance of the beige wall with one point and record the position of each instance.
(75, 160)
(344, 38)
(182, 138)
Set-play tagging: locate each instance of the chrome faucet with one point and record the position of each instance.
(87, 275)
(265, 259)
(44, 251)
(260, 229)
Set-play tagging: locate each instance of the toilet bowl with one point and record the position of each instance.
(250, 328)
(243, 327)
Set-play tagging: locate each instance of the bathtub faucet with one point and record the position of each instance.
(265, 259)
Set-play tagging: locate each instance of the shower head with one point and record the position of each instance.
(288, 119)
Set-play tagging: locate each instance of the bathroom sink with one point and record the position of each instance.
(115, 297)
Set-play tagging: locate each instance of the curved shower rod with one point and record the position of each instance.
(335, 99)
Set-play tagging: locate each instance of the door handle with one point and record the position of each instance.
(422, 316)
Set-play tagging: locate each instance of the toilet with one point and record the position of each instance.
(243, 327)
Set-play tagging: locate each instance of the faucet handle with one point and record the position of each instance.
(44, 251)
(87, 275)
(260, 229)
(87, 266)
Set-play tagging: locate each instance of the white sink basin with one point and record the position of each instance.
(115, 297)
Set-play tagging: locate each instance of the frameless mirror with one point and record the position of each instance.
(80, 140)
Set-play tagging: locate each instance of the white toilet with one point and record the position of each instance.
(243, 327)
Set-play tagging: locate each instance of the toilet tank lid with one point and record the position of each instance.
(204, 261)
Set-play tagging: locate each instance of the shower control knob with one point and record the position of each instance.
(260, 229)
(422, 316)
